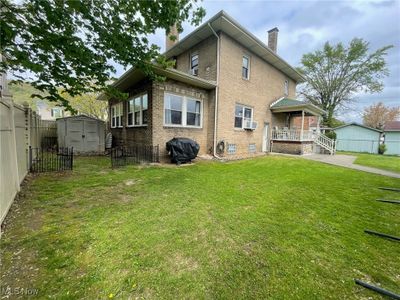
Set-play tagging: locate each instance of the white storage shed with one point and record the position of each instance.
(85, 134)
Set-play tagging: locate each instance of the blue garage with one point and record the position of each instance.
(357, 138)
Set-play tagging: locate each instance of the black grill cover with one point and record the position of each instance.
(182, 150)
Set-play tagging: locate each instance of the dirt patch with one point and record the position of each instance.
(182, 264)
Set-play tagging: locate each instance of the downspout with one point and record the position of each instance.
(216, 95)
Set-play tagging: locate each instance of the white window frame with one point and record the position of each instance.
(286, 88)
(119, 111)
(184, 112)
(243, 117)
(248, 67)
(192, 67)
(141, 124)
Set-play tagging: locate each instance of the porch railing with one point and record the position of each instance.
(292, 135)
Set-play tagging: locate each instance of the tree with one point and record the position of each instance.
(70, 44)
(88, 105)
(378, 114)
(335, 74)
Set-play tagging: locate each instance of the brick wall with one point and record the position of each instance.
(266, 84)
(207, 51)
(292, 147)
(162, 134)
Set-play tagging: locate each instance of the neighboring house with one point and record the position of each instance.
(229, 91)
(357, 138)
(46, 112)
(392, 137)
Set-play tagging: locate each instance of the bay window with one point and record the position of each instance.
(138, 111)
(116, 115)
(182, 111)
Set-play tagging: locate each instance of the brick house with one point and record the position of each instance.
(228, 91)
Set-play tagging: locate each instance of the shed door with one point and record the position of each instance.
(91, 138)
(74, 136)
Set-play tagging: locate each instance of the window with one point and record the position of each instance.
(194, 63)
(245, 67)
(231, 148)
(242, 115)
(56, 112)
(182, 111)
(116, 115)
(286, 88)
(252, 148)
(138, 111)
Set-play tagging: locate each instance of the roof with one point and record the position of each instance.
(80, 116)
(134, 75)
(225, 23)
(288, 105)
(392, 126)
(359, 125)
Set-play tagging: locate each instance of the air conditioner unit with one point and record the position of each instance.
(250, 125)
(194, 72)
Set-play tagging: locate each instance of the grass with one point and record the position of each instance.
(272, 227)
(384, 162)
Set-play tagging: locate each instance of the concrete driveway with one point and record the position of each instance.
(347, 161)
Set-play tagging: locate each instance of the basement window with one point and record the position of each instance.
(231, 148)
(252, 148)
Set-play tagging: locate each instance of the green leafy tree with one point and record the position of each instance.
(69, 45)
(335, 74)
(88, 105)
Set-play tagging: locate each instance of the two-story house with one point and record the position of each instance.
(229, 91)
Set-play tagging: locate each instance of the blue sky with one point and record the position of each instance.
(304, 26)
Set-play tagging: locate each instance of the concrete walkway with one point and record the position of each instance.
(347, 161)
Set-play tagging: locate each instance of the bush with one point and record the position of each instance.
(382, 148)
(331, 135)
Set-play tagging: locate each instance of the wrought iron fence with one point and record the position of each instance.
(124, 155)
(50, 159)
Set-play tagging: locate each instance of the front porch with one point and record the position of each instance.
(295, 128)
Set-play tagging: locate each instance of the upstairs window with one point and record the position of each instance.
(245, 67)
(116, 115)
(194, 64)
(138, 111)
(286, 88)
(182, 111)
(242, 115)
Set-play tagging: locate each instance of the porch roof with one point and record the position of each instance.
(290, 105)
(135, 75)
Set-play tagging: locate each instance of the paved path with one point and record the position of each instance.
(347, 161)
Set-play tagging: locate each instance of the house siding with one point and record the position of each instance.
(392, 142)
(126, 136)
(265, 85)
(162, 134)
(207, 51)
(357, 139)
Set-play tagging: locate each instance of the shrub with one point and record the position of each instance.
(331, 135)
(382, 148)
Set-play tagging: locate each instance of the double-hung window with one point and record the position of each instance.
(138, 110)
(286, 88)
(194, 63)
(116, 115)
(246, 67)
(243, 115)
(182, 111)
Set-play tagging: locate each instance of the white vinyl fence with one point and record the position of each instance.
(20, 128)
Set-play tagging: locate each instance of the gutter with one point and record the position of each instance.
(216, 93)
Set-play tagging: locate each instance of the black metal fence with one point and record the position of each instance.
(123, 155)
(50, 159)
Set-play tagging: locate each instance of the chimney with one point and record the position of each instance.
(273, 39)
(173, 31)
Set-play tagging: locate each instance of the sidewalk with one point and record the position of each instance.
(347, 161)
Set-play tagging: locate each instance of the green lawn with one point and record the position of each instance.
(384, 162)
(271, 227)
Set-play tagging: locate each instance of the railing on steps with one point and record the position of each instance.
(325, 142)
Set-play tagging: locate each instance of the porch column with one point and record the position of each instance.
(318, 121)
(302, 125)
